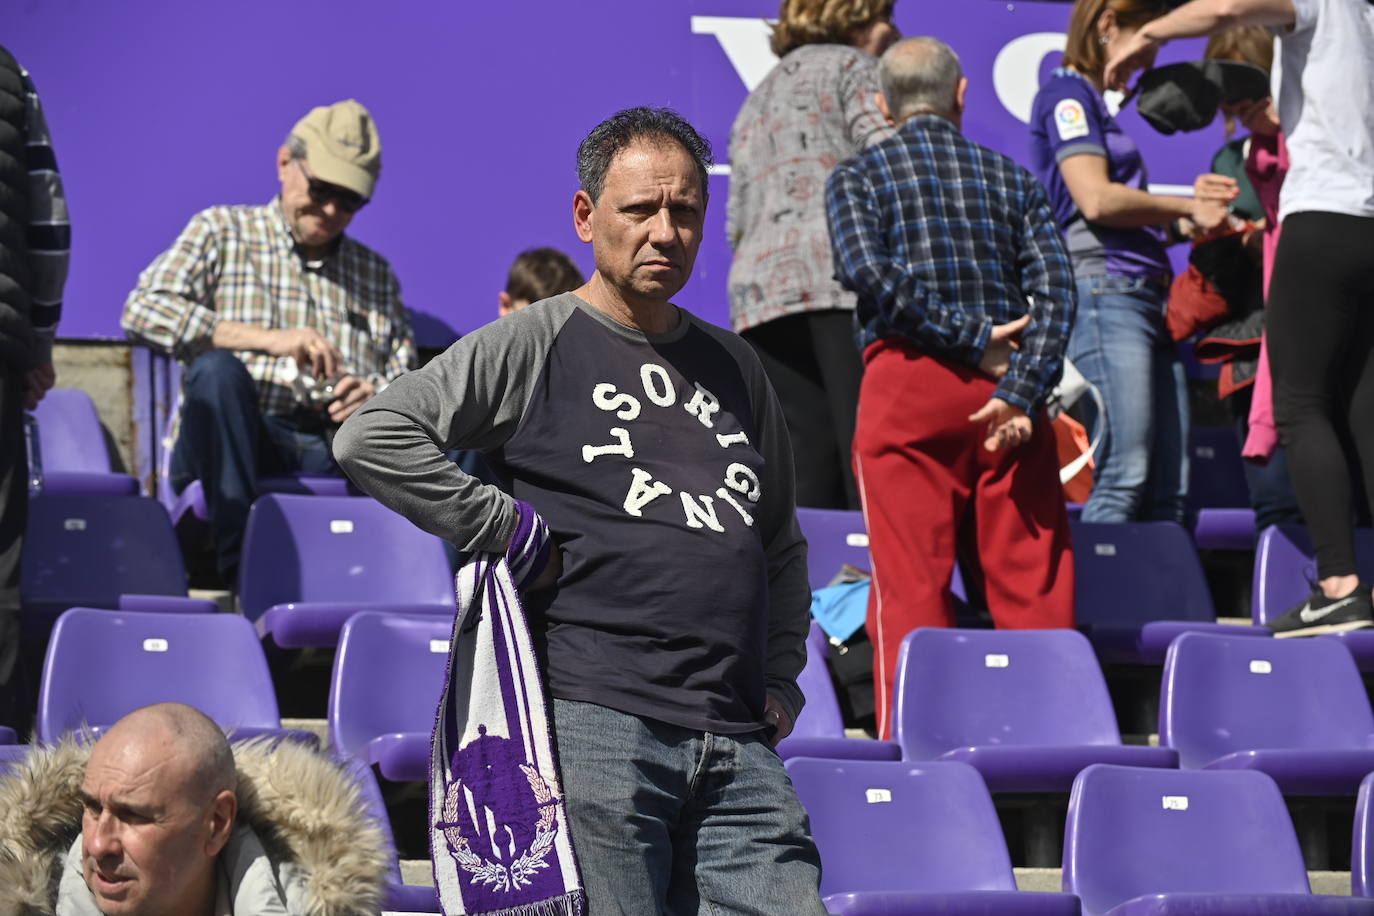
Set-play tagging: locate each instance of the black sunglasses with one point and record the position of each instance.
(322, 192)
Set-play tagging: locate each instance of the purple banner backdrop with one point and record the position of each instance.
(162, 107)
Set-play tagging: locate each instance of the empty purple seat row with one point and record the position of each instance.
(916, 838)
(68, 452)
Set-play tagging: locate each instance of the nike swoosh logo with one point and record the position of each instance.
(1311, 615)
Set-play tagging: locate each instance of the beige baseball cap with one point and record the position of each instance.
(342, 145)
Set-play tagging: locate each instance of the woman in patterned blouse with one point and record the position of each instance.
(814, 109)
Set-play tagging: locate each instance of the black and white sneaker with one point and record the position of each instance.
(1320, 614)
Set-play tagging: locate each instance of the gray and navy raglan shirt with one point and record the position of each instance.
(662, 465)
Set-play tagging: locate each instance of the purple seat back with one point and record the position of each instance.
(11, 755)
(1133, 831)
(1216, 472)
(388, 674)
(104, 664)
(1286, 568)
(820, 717)
(70, 437)
(902, 826)
(970, 688)
(1129, 574)
(338, 549)
(1222, 694)
(1362, 841)
(834, 537)
(86, 551)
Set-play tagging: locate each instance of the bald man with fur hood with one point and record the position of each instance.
(163, 816)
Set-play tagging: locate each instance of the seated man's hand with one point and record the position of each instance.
(308, 347)
(1007, 425)
(777, 718)
(40, 380)
(349, 394)
(1002, 342)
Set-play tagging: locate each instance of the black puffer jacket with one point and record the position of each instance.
(16, 334)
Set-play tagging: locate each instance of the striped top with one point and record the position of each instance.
(242, 264)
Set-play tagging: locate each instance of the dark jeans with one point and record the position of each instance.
(815, 369)
(226, 443)
(1271, 491)
(671, 821)
(1320, 320)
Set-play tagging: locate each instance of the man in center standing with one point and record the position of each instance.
(965, 299)
(670, 621)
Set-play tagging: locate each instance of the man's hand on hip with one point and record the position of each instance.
(1007, 425)
(1002, 343)
(349, 394)
(777, 719)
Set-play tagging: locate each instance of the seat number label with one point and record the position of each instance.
(341, 526)
(1175, 803)
(878, 796)
(996, 660)
(154, 645)
(1261, 666)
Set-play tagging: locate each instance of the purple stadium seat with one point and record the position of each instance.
(7, 735)
(72, 454)
(1285, 571)
(191, 501)
(1362, 841)
(104, 664)
(835, 537)
(87, 551)
(1295, 709)
(1218, 498)
(399, 897)
(819, 730)
(388, 674)
(910, 838)
(1137, 586)
(11, 754)
(1149, 841)
(311, 562)
(1028, 708)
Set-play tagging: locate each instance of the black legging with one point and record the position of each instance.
(1321, 355)
(815, 369)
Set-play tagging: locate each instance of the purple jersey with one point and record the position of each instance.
(1070, 118)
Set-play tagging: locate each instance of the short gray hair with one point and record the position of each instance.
(920, 76)
(656, 125)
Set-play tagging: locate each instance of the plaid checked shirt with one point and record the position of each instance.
(942, 239)
(241, 264)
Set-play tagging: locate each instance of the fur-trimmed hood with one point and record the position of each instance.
(306, 811)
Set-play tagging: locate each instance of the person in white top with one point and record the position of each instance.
(1321, 301)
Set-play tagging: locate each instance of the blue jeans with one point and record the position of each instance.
(670, 820)
(225, 442)
(1121, 344)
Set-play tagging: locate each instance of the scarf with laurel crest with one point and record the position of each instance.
(499, 839)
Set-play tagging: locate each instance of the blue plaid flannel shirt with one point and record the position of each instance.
(942, 239)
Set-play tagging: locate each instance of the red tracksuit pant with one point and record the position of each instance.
(930, 491)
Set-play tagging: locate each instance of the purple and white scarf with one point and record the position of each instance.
(499, 838)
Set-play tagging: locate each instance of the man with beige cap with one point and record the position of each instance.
(286, 324)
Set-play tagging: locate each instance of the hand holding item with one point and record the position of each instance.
(347, 395)
(309, 348)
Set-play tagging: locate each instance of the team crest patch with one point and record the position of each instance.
(1070, 119)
